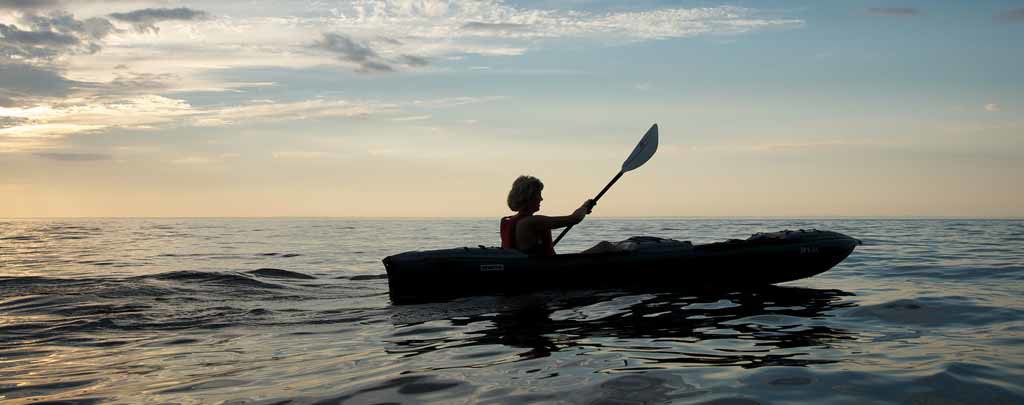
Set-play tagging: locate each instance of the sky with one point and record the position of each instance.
(420, 108)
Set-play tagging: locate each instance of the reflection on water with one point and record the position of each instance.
(297, 311)
(749, 329)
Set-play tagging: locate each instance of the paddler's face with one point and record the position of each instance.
(535, 204)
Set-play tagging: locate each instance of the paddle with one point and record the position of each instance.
(641, 154)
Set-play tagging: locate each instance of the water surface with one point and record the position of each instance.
(297, 311)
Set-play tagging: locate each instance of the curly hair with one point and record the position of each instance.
(524, 190)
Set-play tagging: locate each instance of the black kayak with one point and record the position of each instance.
(638, 262)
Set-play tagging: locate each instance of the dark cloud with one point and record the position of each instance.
(894, 11)
(27, 5)
(361, 54)
(93, 28)
(348, 50)
(45, 37)
(14, 36)
(73, 156)
(7, 122)
(1014, 15)
(490, 27)
(29, 69)
(150, 15)
(22, 84)
(145, 20)
(410, 60)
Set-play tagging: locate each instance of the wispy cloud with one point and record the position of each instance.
(145, 20)
(60, 51)
(47, 125)
(55, 82)
(413, 118)
(894, 11)
(448, 102)
(494, 27)
(991, 107)
(299, 110)
(6, 122)
(74, 156)
(27, 5)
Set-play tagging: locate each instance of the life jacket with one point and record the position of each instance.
(543, 247)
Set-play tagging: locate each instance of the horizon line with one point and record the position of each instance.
(745, 217)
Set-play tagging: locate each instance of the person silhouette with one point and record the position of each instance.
(530, 233)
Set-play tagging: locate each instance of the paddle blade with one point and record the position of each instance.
(643, 151)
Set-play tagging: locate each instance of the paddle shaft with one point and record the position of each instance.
(599, 195)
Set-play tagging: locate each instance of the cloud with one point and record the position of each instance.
(416, 61)
(51, 36)
(145, 20)
(275, 112)
(30, 57)
(17, 44)
(73, 157)
(448, 102)
(6, 122)
(23, 84)
(1013, 15)
(60, 21)
(45, 126)
(893, 11)
(494, 27)
(390, 31)
(27, 5)
(413, 118)
(348, 50)
(54, 82)
(27, 128)
(372, 36)
(992, 107)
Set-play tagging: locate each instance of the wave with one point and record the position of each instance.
(278, 273)
(212, 277)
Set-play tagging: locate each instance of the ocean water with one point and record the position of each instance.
(297, 311)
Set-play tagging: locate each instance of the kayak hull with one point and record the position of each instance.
(763, 259)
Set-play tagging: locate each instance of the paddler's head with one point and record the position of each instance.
(525, 195)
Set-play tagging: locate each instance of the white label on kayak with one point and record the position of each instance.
(492, 267)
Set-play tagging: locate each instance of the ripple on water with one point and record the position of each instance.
(937, 312)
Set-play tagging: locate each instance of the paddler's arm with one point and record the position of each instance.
(543, 222)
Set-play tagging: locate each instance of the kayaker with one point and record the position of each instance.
(530, 233)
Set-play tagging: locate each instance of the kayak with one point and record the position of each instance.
(638, 262)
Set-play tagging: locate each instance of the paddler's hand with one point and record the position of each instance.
(583, 210)
(590, 205)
